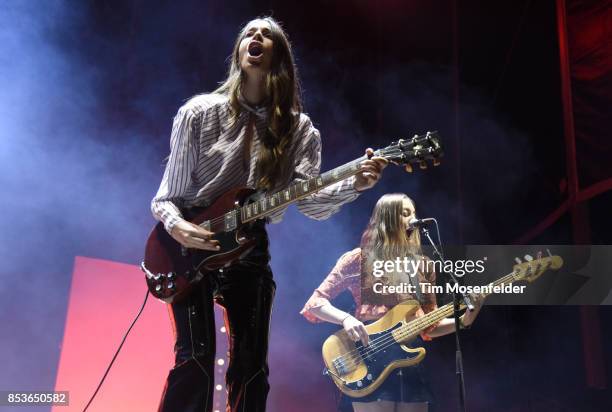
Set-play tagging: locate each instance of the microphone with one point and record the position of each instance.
(416, 223)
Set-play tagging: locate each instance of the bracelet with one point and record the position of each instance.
(348, 315)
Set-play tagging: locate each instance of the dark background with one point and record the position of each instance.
(89, 90)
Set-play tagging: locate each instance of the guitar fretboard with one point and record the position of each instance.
(270, 203)
(418, 149)
(422, 323)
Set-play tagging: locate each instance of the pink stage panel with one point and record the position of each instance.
(104, 299)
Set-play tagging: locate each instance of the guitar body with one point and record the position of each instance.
(171, 269)
(358, 371)
(364, 373)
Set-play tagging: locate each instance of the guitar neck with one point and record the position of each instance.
(418, 149)
(420, 324)
(268, 204)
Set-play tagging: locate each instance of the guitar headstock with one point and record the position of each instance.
(419, 149)
(533, 269)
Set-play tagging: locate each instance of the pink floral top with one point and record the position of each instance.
(347, 275)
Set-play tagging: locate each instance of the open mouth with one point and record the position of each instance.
(255, 49)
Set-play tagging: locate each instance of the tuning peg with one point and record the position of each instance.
(539, 255)
(408, 168)
(423, 164)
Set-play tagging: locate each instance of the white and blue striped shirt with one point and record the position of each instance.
(207, 159)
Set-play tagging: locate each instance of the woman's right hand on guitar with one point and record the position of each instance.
(355, 329)
(194, 236)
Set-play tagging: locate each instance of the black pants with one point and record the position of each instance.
(246, 291)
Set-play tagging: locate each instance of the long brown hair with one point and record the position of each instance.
(284, 104)
(386, 238)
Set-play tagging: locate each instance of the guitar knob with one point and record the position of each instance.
(170, 285)
(359, 384)
(170, 275)
(369, 376)
(158, 288)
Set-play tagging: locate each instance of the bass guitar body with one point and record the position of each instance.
(171, 269)
(358, 370)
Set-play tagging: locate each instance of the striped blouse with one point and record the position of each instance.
(207, 158)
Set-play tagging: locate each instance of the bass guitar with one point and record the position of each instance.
(171, 269)
(359, 370)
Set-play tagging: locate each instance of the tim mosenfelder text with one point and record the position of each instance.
(448, 288)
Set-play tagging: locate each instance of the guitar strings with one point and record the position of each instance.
(220, 219)
(407, 330)
(411, 328)
(418, 323)
(385, 152)
(366, 352)
(387, 337)
(414, 326)
(389, 340)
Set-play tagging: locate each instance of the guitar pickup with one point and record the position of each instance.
(344, 365)
(340, 365)
(230, 221)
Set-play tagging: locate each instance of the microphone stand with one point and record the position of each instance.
(458, 296)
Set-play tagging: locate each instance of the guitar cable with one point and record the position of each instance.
(117, 352)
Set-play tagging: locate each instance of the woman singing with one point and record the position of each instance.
(386, 237)
(250, 132)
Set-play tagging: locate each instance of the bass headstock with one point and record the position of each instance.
(532, 269)
(418, 150)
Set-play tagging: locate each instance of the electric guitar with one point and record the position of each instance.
(359, 370)
(171, 269)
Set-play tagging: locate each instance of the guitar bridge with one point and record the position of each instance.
(341, 365)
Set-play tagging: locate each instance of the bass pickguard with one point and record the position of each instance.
(378, 357)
